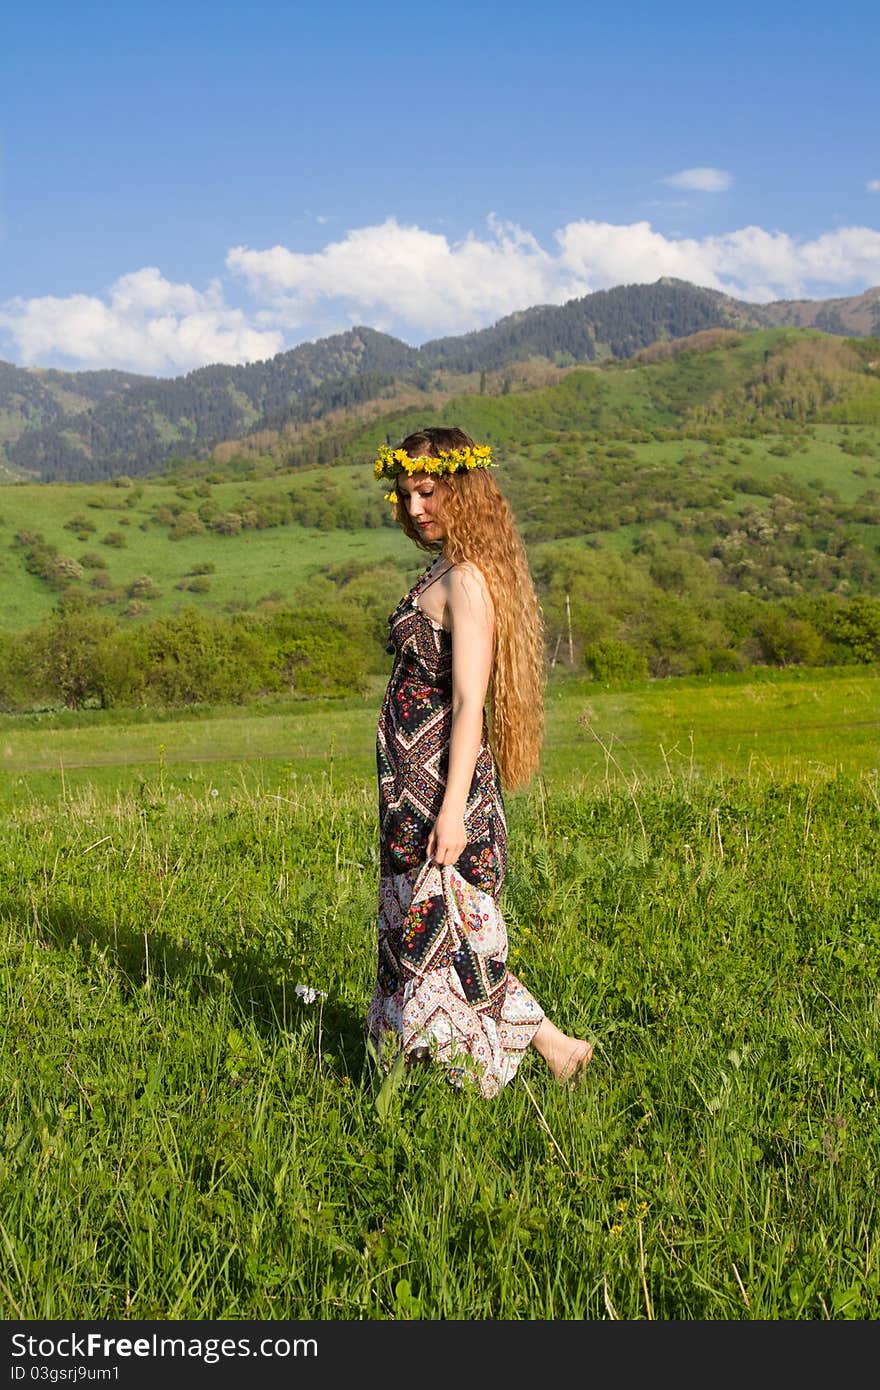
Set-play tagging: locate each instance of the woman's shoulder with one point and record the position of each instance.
(468, 574)
(465, 580)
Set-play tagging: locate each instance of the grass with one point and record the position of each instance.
(792, 724)
(184, 1139)
(249, 567)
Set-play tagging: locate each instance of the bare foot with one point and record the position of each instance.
(566, 1057)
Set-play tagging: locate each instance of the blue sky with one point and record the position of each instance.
(190, 183)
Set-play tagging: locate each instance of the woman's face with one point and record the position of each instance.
(418, 492)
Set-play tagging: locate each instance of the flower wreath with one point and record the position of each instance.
(390, 462)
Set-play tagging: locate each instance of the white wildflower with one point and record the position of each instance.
(307, 995)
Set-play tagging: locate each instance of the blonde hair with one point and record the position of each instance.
(480, 528)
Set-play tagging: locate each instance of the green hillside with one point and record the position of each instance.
(713, 507)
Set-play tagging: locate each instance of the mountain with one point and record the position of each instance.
(856, 317)
(608, 323)
(58, 425)
(85, 426)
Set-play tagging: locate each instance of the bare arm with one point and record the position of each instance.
(472, 621)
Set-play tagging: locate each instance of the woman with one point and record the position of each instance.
(467, 632)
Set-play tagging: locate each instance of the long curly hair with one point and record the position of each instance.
(480, 528)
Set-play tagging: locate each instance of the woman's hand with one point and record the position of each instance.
(448, 837)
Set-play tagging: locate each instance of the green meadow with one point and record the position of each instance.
(791, 724)
(246, 569)
(693, 884)
(194, 1126)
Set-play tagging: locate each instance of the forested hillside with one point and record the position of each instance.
(709, 508)
(91, 425)
(126, 424)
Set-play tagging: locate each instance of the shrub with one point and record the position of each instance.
(66, 657)
(186, 524)
(610, 660)
(780, 640)
(63, 569)
(227, 525)
(143, 587)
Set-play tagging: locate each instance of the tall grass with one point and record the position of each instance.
(183, 1137)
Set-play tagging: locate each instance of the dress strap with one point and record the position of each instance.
(436, 577)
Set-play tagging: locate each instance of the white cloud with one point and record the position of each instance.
(416, 284)
(750, 263)
(395, 273)
(605, 254)
(850, 255)
(144, 324)
(873, 185)
(700, 180)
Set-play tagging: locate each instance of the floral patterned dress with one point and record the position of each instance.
(442, 978)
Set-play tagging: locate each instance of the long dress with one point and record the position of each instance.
(442, 978)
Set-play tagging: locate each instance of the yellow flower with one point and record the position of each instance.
(390, 462)
(616, 1230)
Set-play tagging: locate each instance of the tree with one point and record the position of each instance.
(67, 657)
(786, 641)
